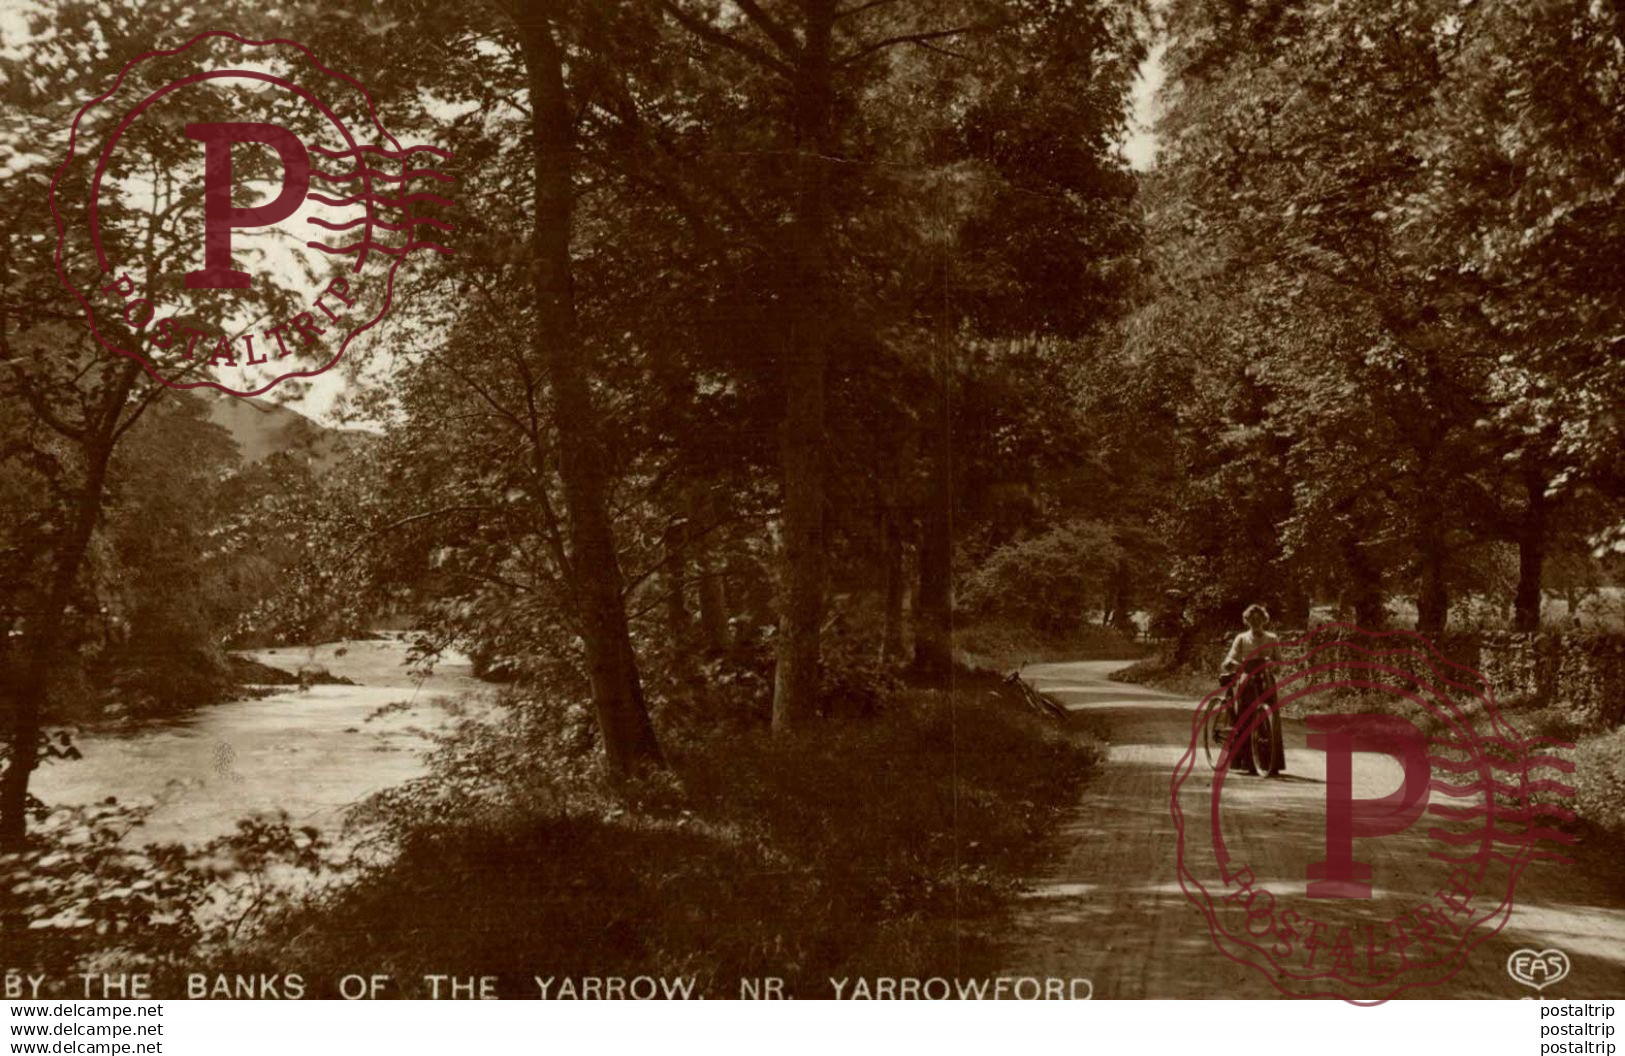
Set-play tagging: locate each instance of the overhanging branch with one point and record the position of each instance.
(711, 34)
(922, 39)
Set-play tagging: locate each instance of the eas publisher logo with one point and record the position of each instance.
(1538, 968)
(231, 213)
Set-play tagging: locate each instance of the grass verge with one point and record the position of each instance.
(1006, 646)
(1156, 671)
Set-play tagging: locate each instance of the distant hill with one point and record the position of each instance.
(262, 428)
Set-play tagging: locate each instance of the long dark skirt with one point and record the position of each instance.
(1257, 685)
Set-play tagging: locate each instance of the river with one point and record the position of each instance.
(311, 753)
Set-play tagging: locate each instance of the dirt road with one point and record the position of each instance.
(1112, 909)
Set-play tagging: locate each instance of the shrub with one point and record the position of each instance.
(1599, 780)
(1049, 582)
(1160, 672)
(1003, 646)
(82, 891)
(732, 689)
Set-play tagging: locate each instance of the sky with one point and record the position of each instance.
(1140, 148)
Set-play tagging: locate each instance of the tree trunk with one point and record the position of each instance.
(1121, 613)
(679, 621)
(594, 569)
(45, 640)
(934, 601)
(711, 583)
(801, 614)
(1531, 555)
(713, 601)
(891, 637)
(1433, 600)
(1365, 587)
(1295, 607)
(933, 618)
(24, 734)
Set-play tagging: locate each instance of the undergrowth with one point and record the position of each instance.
(891, 844)
(1003, 646)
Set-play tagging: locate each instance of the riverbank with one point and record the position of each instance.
(859, 847)
(894, 844)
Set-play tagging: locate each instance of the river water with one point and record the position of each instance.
(311, 753)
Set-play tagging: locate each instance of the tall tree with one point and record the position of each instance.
(592, 564)
(1519, 215)
(879, 97)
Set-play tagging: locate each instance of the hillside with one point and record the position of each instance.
(262, 428)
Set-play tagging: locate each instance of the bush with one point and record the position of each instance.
(732, 689)
(1160, 672)
(81, 891)
(145, 684)
(1599, 780)
(1003, 646)
(854, 682)
(1049, 582)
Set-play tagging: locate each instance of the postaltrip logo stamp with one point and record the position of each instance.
(231, 213)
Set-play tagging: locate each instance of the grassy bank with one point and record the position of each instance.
(892, 845)
(1003, 646)
(1157, 671)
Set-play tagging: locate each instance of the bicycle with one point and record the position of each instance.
(1034, 699)
(1217, 733)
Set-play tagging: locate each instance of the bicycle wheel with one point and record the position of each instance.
(1264, 735)
(1214, 735)
(1036, 700)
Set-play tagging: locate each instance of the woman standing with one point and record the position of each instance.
(1257, 683)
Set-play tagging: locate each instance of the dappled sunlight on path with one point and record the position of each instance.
(1111, 908)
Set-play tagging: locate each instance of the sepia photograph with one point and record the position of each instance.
(853, 500)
